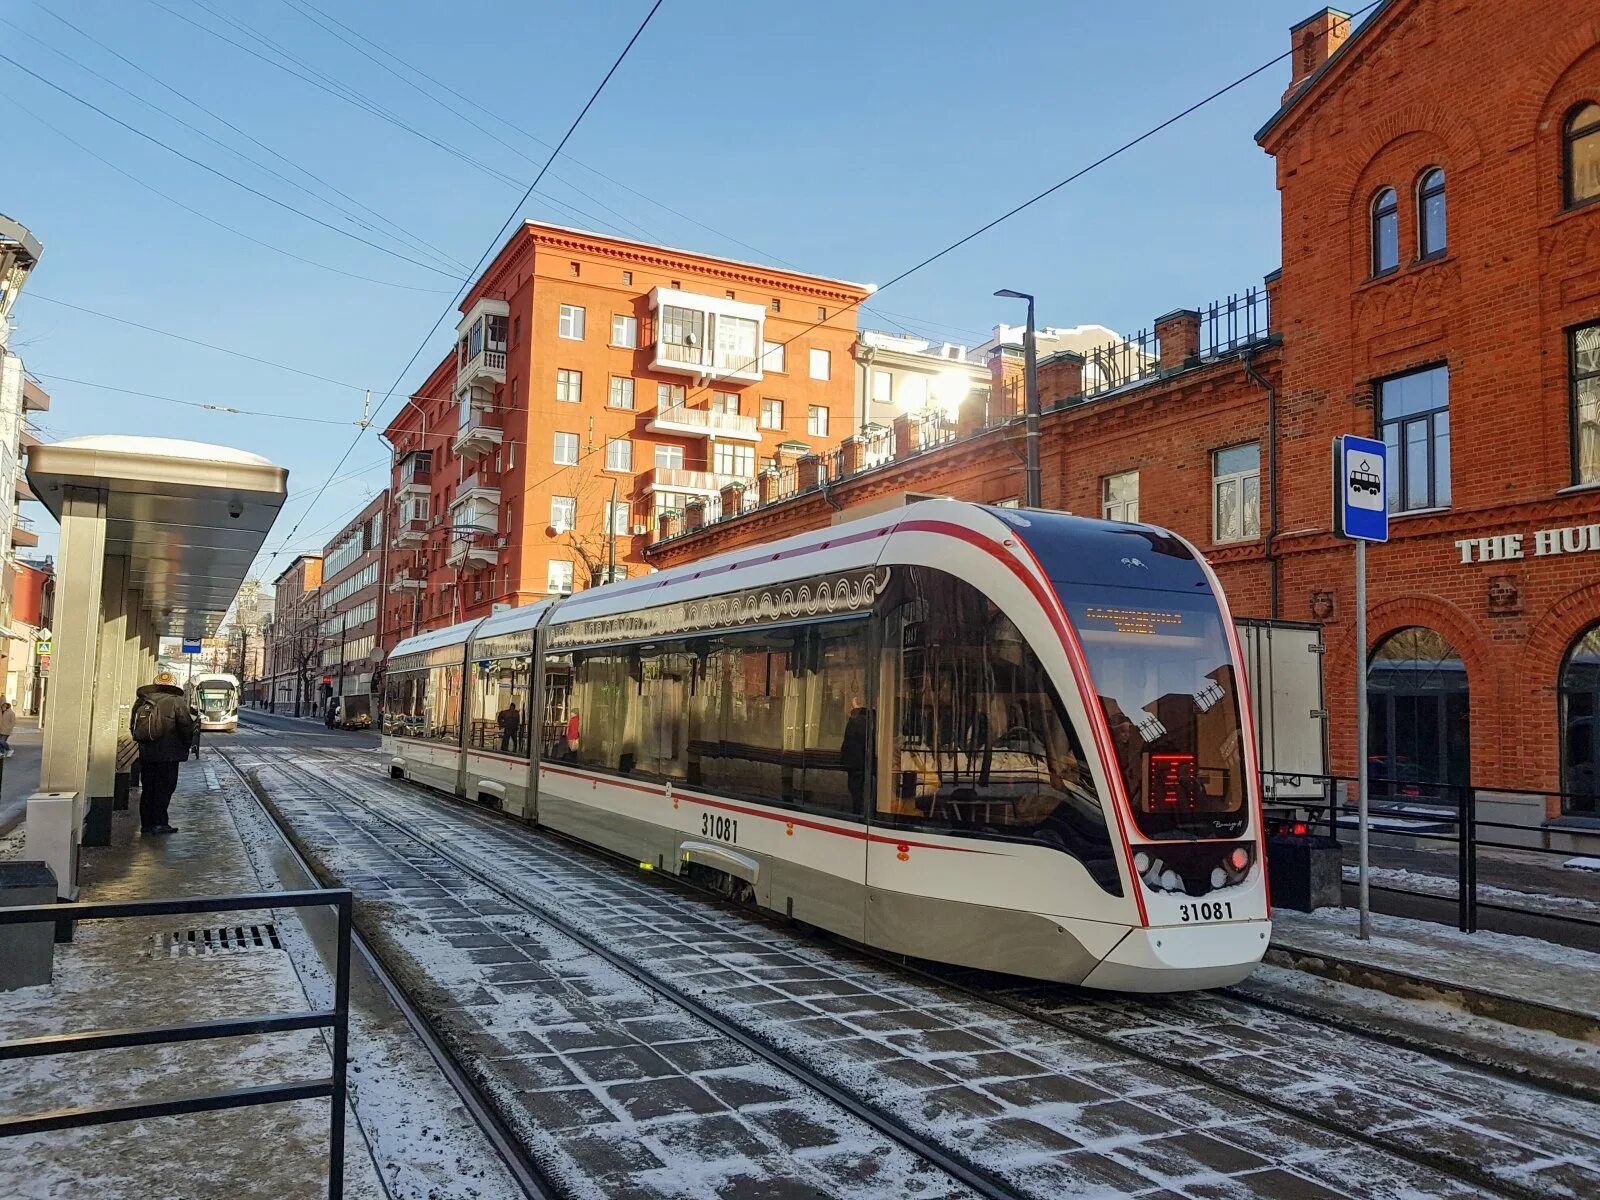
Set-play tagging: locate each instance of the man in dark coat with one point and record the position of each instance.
(510, 722)
(168, 711)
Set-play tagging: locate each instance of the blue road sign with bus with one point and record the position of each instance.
(1360, 489)
(191, 647)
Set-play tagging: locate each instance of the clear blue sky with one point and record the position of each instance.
(845, 138)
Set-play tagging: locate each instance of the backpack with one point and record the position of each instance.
(151, 721)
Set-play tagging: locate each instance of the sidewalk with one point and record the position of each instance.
(142, 972)
(22, 773)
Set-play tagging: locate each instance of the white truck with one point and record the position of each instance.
(1283, 662)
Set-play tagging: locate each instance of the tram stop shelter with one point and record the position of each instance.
(156, 537)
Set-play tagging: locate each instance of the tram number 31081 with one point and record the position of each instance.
(723, 828)
(1219, 911)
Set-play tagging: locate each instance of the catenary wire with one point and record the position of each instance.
(226, 409)
(187, 99)
(223, 175)
(218, 142)
(494, 242)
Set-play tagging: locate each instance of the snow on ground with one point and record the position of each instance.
(1446, 886)
(1583, 863)
(1517, 967)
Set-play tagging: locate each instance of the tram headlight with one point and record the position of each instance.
(1141, 862)
(1219, 877)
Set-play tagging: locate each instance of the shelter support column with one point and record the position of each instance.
(56, 810)
(129, 677)
(108, 700)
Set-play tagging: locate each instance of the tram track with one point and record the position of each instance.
(530, 1177)
(1442, 1163)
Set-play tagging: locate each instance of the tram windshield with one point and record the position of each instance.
(1162, 669)
(215, 700)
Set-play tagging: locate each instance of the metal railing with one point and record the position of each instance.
(1119, 363)
(333, 1087)
(1435, 813)
(1243, 319)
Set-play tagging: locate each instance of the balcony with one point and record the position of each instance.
(416, 483)
(481, 345)
(22, 533)
(676, 479)
(409, 579)
(483, 498)
(683, 421)
(480, 434)
(411, 532)
(24, 490)
(473, 550)
(707, 336)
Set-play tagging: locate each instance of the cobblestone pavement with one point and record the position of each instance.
(1051, 1112)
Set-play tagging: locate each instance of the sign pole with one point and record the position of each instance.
(1362, 816)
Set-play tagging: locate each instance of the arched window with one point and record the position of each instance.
(1385, 232)
(1430, 214)
(1582, 145)
(1418, 746)
(1580, 725)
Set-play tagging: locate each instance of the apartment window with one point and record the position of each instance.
(739, 461)
(821, 364)
(569, 387)
(683, 334)
(669, 395)
(627, 277)
(777, 305)
(1119, 497)
(563, 513)
(725, 402)
(624, 331)
(1236, 493)
(616, 518)
(612, 574)
(516, 392)
(1583, 154)
(1385, 232)
(771, 413)
(817, 421)
(558, 577)
(1585, 359)
(1430, 214)
(1414, 420)
(669, 458)
(772, 357)
(619, 454)
(822, 313)
(621, 395)
(737, 341)
(566, 450)
(571, 324)
(882, 387)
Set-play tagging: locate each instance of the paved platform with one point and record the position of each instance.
(142, 972)
(1521, 980)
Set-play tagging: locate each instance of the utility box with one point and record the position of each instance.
(27, 952)
(1305, 873)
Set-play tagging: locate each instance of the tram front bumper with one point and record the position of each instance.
(1182, 958)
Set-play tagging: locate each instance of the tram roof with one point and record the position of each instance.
(188, 516)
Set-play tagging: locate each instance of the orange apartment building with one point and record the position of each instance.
(598, 384)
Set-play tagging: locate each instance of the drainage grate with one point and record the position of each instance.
(185, 943)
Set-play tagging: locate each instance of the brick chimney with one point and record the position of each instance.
(1179, 335)
(1060, 378)
(1314, 41)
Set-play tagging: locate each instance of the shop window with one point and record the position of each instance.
(1580, 726)
(1582, 154)
(1584, 357)
(1419, 748)
(1119, 497)
(1236, 493)
(1385, 232)
(1414, 422)
(1431, 240)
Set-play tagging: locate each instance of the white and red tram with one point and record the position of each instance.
(1002, 738)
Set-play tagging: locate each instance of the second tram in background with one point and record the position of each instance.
(1015, 740)
(215, 697)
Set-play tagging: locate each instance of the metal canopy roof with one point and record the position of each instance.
(189, 517)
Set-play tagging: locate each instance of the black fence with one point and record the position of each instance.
(1433, 814)
(333, 1087)
(1243, 319)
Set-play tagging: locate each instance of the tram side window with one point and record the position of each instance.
(444, 704)
(603, 687)
(498, 714)
(405, 704)
(559, 728)
(981, 744)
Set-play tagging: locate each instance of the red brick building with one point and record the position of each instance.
(1439, 172)
(351, 601)
(597, 384)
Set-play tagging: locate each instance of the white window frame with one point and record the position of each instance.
(773, 357)
(620, 515)
(882, 386)
(570, 323)
(624, 331)
(741, 458)
(569, 386)
(673, 454)
(821, 363)
(564, 513)
(621, 386)
(671, 395)
(565, 439)
(624, 454)
(559, 577)
(817, 420)
(771, 405)
(1238, 480)
(1119, 508)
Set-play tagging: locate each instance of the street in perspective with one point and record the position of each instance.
(691, 601)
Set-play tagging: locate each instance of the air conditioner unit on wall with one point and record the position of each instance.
(640, 529)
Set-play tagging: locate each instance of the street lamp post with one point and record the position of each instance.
(1030, 359)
